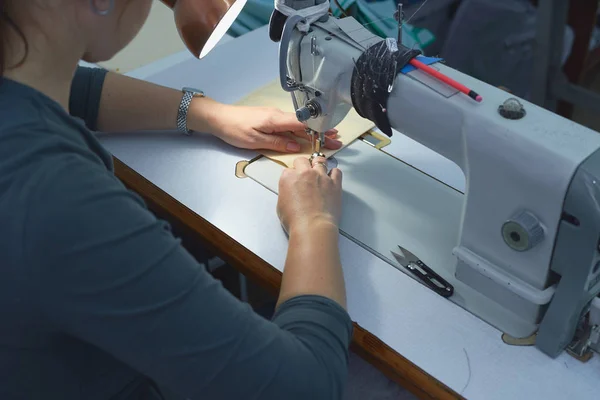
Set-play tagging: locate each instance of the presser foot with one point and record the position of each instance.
(316, 154)
(317, 142)
(331, 161)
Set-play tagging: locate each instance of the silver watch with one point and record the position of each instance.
(184, 107)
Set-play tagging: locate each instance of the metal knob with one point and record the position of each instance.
(512, 109)
(523, 231)
(303, 114)
(310, 110)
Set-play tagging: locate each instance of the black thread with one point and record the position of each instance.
(375, 70)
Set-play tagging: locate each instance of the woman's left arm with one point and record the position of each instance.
(129, 104)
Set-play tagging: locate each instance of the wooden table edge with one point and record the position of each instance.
(364, 343)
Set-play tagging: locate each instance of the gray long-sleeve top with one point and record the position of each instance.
(98, 300)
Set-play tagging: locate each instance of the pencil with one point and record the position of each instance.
(449, 81)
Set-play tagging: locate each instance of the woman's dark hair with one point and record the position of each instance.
(7, 23)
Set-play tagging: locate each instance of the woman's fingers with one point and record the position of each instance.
(302, 164)
(330, 142)
(320, 165)
(277, 142)
(330, 138)
(333, 144)
(336, 177)
(332, 133)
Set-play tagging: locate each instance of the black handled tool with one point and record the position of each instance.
(426, 275)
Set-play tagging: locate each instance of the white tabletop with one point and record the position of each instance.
(447, 342)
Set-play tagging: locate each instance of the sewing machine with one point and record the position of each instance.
(520, 246)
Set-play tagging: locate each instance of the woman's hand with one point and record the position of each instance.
(255, 127)
(309, 207)
(308, 197)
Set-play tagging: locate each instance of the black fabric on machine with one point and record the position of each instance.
(375, 70)
(276, 24)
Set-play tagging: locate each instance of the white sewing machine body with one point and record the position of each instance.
(520, 245)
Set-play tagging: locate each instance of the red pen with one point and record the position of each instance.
(447, 80)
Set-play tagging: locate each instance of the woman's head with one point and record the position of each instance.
(97, 29)
(111, 25)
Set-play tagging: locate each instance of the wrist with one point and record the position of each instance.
(321, 226)
(206, 115)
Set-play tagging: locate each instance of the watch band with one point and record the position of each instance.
(184, 107)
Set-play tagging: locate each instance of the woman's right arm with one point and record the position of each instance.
(309, 207)
(106, 271)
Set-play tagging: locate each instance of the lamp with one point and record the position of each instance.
(202, 23)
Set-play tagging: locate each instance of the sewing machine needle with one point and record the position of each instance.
(320, 142)
(312, 139)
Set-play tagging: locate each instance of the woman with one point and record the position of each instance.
(97, 299)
